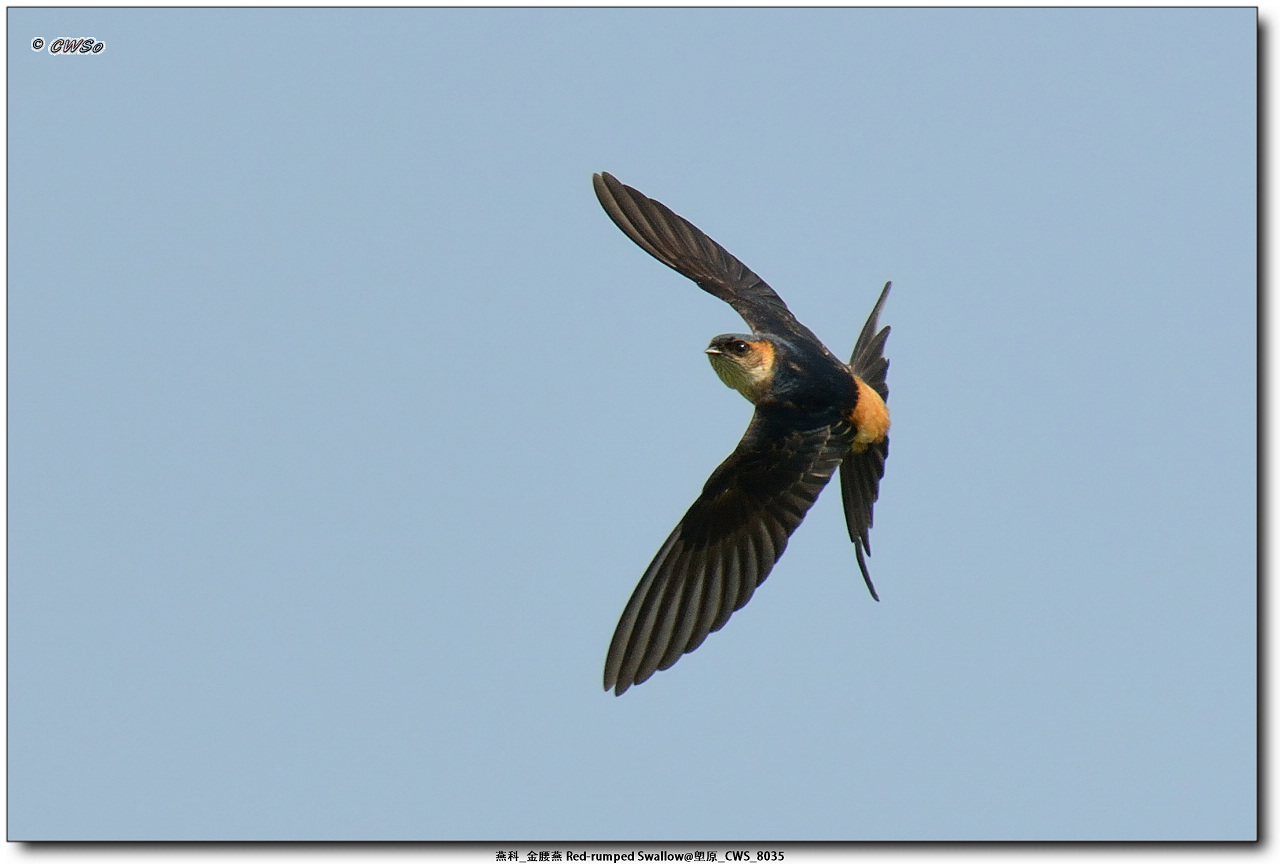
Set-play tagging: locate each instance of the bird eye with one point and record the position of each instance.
(739, 347)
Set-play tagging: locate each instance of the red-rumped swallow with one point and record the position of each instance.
(813, 414)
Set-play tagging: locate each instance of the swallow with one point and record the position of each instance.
(813, 414)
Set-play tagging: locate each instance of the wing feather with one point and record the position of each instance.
(680, 245)
(678, 600)
(691, 602)
(724, 547)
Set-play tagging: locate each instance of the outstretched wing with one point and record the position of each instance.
(679, 244)
(725, 546)
(860, 473)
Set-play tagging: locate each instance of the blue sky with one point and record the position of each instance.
(342, 423)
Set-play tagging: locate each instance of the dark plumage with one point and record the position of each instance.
(813, 414)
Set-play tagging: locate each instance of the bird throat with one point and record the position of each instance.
(733, 375)
(753, 381)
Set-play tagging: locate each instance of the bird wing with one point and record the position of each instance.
(860, 473)
(680, 245)
(725, 545)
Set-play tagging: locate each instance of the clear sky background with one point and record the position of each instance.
(342, 423)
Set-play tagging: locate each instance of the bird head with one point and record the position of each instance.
(744, 363)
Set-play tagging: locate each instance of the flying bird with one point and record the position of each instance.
(813, 414)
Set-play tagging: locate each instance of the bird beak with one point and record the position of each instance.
(714, 350)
